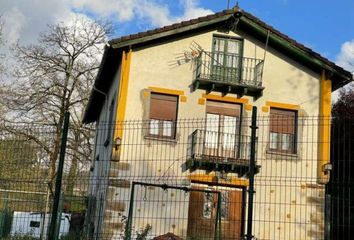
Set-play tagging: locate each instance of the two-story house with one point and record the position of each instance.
(173, 106)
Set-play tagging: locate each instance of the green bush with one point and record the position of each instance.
(72, 236)
(20, 237)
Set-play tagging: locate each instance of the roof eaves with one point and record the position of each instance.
(101, 86)
(296, 48)
(302, 51)
(170, 30)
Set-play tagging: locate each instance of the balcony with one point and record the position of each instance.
(216, 151)
(228, 73)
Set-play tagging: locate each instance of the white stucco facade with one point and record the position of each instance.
(289, 204)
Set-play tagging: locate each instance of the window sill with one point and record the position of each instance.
(170, 140)
(272, 152)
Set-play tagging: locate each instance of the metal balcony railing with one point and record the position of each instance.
(229, 68)
(220, 147)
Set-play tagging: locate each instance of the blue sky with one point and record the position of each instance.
(323, 25)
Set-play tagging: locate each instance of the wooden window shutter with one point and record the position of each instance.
(163, 107)
(223, 108)
(282, 121)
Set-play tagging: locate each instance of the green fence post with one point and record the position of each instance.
(2, 222)
(251, 173)
(60, 210)
(5, 218)
(217, 234)
(128, 227)
(54, 219)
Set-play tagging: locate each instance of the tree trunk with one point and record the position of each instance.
(73, 167)
(72, 176)
(56, 147)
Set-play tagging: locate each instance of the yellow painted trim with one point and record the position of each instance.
(146, 94)
(183, 99)
(312, 185)
(210, 178)
(226, 99)
(265, 109)
(282, 105)
(248, 107)
(301, 113)
(324, 128)
(166, 91)
(122, 93)
(201, 101)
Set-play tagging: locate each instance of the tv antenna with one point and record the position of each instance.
(228, 4)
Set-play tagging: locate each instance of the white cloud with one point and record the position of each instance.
(153, 12)
(345, 58)
(121, 9)
(26, 19)
(14, 24)
(29, 18)
(191, 10)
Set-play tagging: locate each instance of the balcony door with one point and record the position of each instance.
(226, 59)
(222, 130)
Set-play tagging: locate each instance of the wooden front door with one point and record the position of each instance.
(202, 214)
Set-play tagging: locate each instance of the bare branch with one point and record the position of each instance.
(54, 76)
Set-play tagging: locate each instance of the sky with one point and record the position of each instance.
(325, 26)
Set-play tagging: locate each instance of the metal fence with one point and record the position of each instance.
(30, 156)
(192, 179)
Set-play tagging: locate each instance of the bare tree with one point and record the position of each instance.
(2, 56)
(52, 77)
(1, 44)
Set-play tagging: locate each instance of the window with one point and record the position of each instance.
(227, 58)
(283, 127)
(222, 128)
(224, 210)
(208, 204)
(163, 115)
(35, 224)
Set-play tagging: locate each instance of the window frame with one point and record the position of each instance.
(293, 140)
(34, 224)
(225, 53)
(216, 110)
(160, 127)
